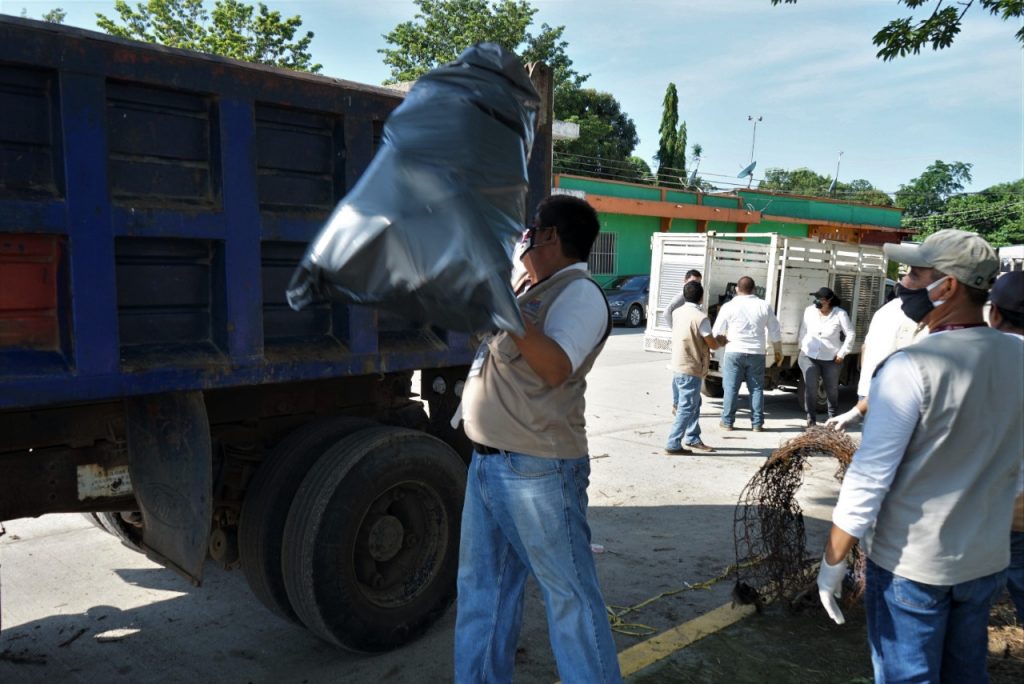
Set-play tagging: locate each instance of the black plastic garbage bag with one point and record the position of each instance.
(429, 228)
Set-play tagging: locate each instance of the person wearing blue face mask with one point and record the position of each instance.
(930, 491)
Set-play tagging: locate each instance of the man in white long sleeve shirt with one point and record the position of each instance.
(693, 275)
(740, 326)
(931, 488)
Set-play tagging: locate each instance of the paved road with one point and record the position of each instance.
(79, 607)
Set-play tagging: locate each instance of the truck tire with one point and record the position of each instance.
(268, 498)
(822, 399)
(712, 387)
(115, 524)
(371, 542)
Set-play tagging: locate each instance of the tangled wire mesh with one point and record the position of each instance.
(772, 561)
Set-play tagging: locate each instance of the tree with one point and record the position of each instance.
(807, 182)
(667, 132)
(996, 213)
(927, 194)
(680, 151)
(442, 29)
(641, 170)
(607, 134)
(55, 16)
(233, 29)
(901, 37)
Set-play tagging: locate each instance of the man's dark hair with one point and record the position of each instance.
(574, 220)
(1011, 319)
(745, 285)
(692, 273)
(693, 292)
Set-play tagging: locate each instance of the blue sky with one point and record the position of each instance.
(808, 69)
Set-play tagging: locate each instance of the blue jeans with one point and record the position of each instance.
(1015, 573)
(526, 515)
(686, 396)
(737, 368)
(925, 633)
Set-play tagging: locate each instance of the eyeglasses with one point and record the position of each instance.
(532, 230)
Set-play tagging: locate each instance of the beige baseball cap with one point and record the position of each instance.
(959, 253)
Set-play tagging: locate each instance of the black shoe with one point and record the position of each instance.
(758, 428)
(678, 451)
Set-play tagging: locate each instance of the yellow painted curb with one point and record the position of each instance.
(636, 658)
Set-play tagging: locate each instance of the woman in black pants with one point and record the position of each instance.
(826, 337)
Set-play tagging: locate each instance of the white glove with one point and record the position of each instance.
(844, 420)
(830, 587)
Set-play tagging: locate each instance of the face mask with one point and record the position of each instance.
(818, 303)
(916, 304)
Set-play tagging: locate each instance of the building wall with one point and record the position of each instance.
(633, 233)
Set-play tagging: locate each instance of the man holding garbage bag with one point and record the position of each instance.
(526, 498)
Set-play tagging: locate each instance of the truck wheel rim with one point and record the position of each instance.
(400, 543)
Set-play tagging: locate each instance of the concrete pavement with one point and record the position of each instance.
(77, 606)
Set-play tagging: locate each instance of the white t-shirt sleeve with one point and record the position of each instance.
(774, 329)
(704, 328)
(848, 331)
(577, 320)
(722, 320)
(897, 395)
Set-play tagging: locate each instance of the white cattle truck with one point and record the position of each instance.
(785, 270)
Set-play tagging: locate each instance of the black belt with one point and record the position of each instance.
(485, 450)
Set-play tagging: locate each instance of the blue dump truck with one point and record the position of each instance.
(153, 205)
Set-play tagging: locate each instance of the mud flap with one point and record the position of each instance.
(170, 467)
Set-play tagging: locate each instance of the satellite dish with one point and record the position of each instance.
(748, 170)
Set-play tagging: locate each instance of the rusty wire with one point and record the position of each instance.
(772, 560)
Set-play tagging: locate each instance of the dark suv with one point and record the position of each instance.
(627, 297)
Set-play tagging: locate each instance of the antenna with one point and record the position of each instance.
(748, 172)
(692, 180)
(835, 181)
(753, 138)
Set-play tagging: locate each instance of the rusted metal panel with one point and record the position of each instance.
(61, 480)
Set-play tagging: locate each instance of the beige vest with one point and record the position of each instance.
(690, 353)
(946, 517)
(506, 405)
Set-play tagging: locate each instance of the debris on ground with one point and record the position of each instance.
(772, 560)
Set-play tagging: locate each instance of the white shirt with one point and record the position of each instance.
(578, 318)
(897, 398)
(890, 329)
(819, 335)
(743, 320)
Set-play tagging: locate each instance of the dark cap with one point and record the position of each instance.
(1008, 292)
(824, 293)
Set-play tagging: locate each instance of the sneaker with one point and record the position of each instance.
(727, 428)
(758, 428)
(678, 451)
(699, 446)
(811, 422)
